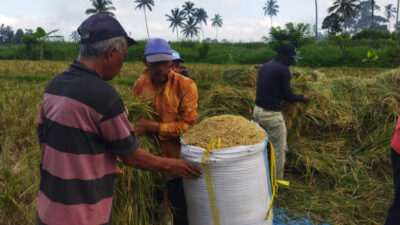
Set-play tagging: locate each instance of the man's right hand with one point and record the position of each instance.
(144, 160)
(306, 99)
(183, 168)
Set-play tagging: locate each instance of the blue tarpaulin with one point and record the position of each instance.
(281, 217)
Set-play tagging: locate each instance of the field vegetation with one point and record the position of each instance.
(328, 53)
(339, 159)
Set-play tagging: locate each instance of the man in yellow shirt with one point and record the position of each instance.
(174, 98)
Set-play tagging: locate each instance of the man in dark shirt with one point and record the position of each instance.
(273, 84)
(83, 128)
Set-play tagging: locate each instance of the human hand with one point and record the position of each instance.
(183, 168)
(141, 127)
(306, 99)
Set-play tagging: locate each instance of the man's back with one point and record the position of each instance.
(82, 128)
(273, 84)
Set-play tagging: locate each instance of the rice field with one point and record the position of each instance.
(339, 160)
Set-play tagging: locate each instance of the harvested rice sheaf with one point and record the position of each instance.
(233, 131)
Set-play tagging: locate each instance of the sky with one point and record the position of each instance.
(243, 20)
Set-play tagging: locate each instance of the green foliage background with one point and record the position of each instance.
(325, 53)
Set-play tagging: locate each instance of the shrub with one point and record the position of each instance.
(372, 34)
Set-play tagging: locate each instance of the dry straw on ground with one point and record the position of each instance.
(233, 131)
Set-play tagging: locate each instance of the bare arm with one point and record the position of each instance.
(144, 160)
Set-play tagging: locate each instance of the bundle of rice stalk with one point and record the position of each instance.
(243, 77)
(323, 113)
(227, 100)
(232, 130)
(340, 145)
(138, 107)
(136, 191)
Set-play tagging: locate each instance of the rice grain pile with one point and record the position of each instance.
(233, 131)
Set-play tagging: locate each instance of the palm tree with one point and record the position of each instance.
(271, 9)
(75, 37)
(389, 12)
(345, 8)
(216, 22)
(316, 20)
(176, 18)
(201, 17)
(188, 9)
(190, 28)
(101, 6)
(142, 4)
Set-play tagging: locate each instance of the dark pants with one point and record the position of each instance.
(394, 211)
(176, 198)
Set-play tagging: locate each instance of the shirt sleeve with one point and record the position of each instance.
(287, 92)
(117, 131)
(187, 115)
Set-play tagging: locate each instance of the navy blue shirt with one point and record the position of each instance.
(273, 84)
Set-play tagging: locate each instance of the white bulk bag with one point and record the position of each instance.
(235, 187)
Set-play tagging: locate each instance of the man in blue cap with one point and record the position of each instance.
(176, 64)
(83, 128)
(273, 85)
(174, 98)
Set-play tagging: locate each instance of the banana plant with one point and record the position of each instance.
(39, 36)
(371, 57)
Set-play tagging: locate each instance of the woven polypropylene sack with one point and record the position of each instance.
(237, 191)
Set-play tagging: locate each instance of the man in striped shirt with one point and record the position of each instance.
(83, 128)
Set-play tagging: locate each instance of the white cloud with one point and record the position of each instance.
(8, 21)
(230, 3)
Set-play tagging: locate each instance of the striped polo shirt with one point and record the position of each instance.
(82, 128)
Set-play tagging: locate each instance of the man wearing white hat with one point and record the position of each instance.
(174, 98)
(176, 64)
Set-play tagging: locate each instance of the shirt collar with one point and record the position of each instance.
(81, 68)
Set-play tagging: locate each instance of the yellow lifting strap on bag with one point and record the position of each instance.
(274, 182)
(207, 176)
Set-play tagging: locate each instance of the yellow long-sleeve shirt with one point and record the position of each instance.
(176, 105)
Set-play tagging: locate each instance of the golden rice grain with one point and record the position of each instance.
(233, 131)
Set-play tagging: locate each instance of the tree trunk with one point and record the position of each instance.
(177, 37)
(397, 15)
(316, 20)
(372, 16)
(41, 49)
(217, 34)
(202, 31)
(145, 18)
(271, 21)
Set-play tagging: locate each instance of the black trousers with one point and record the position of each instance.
(394, 211)
(176, 198)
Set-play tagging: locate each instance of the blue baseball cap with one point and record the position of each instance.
(157, 49)
(176, 56)
(101, 27)
(288, 50)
